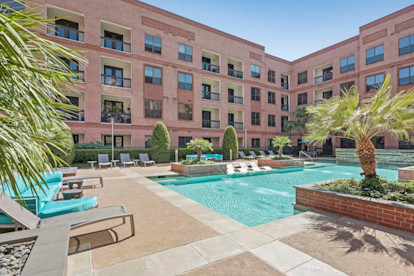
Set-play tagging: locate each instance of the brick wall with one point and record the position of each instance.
(388, 214)
(406, 173)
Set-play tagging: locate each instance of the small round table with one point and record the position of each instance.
(92, 164)
(75, 193)
(114, 162)
(77, 182)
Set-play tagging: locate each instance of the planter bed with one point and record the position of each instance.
(199, 169)
(406, 173)
(379, 211)
(280, 163)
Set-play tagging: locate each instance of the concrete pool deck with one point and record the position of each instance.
(176, 235)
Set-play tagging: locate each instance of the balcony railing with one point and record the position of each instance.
(236, 125)
(211, 124)
(235, 73)
(207, 95)
(284, 85)
(115, 81)
(211, 67)
(115, 44)
(65, 32)
(323, 78)
(119, 118)
(153, 113)
(73, 115)
(235, 99)
(284, 107)
(80, 75)
(185, 116)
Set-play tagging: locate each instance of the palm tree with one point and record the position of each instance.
(199, 145)
(345, 117)
(281, 142)
(32, 79)
(301, 119)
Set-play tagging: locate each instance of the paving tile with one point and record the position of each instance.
(281, 256)
(141, 266)
(177, 260)
(304, 221)
(276, 230)
(208, 215)
(79, 263)
(315, 268)
(217, 248)
(224, 226)
(182, 202)
(249, 238)
(196, 209)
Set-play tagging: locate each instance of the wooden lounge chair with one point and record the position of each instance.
(144, 159)
(103, 160)
(126, 159)
(243, 156)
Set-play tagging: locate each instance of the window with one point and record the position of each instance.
(283, 121)
(255, 118)
(113, 41)
(13, 4)
(347, 143)
(271, 75)
(406, 45)
(153, 44)
(185, 81)
(346, 86)
(153, 109)
(269, 144)
(271, 97)
(255, 71)
(303, 98)
(255, 94)
(406, 75)
(182, 141)
(74, 66)
(75, 138)
(255, 143)
(303, 77)
(119, 141)
(113, 76)
(185, 112)
(378, 142)
(347, 64)
(271, 120)
(152, 75)
(67, 29)
(374, 82)
(375, 54)
(148, 141)
(185, 52)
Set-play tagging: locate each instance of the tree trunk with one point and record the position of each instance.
(280, 151)
(333, 140)
(367, 154)
(199, 154)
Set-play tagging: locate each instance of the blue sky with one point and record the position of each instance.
(288, 29)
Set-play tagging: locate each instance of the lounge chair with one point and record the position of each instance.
(243, 156)
(255, 155)
(243, 168)
(271, 153)
(262, 153)
(126, 159)
(230, 169)
(144, 159)
(83, 177)
(103, 160)
(256, 168)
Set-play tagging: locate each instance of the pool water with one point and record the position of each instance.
(258, 198)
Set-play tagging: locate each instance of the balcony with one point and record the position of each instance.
(210, 62)
(284, 81)
(115, 107)
(236, 125)
(115, 37)
(115, 81)
(284, 107)
(235, 93)
(235, 68)
(284, 102)
(235, 118)
(283, 122)
(74, 115)
(235, 73)
(212, 96)
(210, 117)
(321, 94)
(115, 73)
(211, 124)
(80, 75)
(208, 86)
(119, 118)
(71, 27)
(323, 73)
(323, 78)
(235, 99)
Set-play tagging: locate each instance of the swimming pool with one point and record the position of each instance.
(258, 198)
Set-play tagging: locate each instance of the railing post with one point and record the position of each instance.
(231, 154)
(176, 155)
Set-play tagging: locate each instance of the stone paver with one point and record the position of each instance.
(80, 263)
(217, 248)
(226, 225)
(249, 238)
(315, 268)
(141, 266)
(276, 230)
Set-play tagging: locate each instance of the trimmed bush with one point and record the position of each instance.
(85, 155)
(160, 143)
(230, 142)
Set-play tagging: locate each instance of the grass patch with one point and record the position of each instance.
(195, 162)
(376, 188)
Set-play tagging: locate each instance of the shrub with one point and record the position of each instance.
(160, 143)
(85, 155)
(230, 142)
(200, 145)
(283, 157)
(281, 142)
(195, 162)
(91, 145)
(68, 152)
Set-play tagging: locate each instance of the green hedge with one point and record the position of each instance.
(230, 142)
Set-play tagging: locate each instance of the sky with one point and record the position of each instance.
(287, 29)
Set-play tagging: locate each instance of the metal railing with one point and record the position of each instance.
(236, 125)
(185, 116)
(115, 44)
(75, 115)
(211, 124)
(284, 85)
(235, 99)
(207, 95)
(284, 107)
(115, 81)
(235, 73)
(119, 117)
(54, 29)
(80, 75)
(323, 78)
(153, 113)
(305, 154)
(211, 67)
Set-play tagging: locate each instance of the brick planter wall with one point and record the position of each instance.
(406, 173)
(280, 163)
(384, 212)
(199, 169)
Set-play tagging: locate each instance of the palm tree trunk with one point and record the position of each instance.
(367, 154)
(199, 154)
(280, 151)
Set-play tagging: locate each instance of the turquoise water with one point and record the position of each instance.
(257, 198)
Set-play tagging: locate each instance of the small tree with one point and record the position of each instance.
(281, 142)
(230, 142)
(160, 143)
(200, 145)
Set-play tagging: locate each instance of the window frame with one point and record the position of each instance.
(150, 111)
(185, 85)
(255, 73)
(410, 44)
(375, 56)
(302, 98)
(187, 111)
(348, 66)
(186, 138)
(255, 96)
(185, 56)
(255, 116)
(271, 76)
(271, 122)
(302, 77)
(376, 84)
(410, 75)
(152, 47)
(254, 145)
(271, 99)
(151, 79)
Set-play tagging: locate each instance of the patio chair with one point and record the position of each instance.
(256, 168)
(243, 168)
(103, 160)
(126, 159)
(255, 155)
(144, 159)
(230, 169)
(243, 156)
(271, 153)
(262, 153)
(27, 220)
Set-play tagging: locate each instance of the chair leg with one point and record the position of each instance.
(132, 225)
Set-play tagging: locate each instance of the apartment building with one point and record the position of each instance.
(147, 65)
